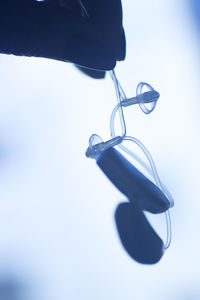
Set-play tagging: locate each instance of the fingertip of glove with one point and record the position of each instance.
(88, 53)
(92, 73)
(121, 54)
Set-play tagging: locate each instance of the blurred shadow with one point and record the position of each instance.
(195, 5)
(10, 290)
(136, 234)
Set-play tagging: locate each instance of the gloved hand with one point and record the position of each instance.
(92, 39)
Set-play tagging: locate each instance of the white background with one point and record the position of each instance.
(57, 233)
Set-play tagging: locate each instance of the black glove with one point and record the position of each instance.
(59, 29)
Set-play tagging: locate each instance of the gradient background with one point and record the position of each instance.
(57, 234)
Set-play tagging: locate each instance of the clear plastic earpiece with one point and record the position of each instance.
(151, 96)
(95, 139)
(97, 146)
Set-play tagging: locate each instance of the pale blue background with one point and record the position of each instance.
(57, 233)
